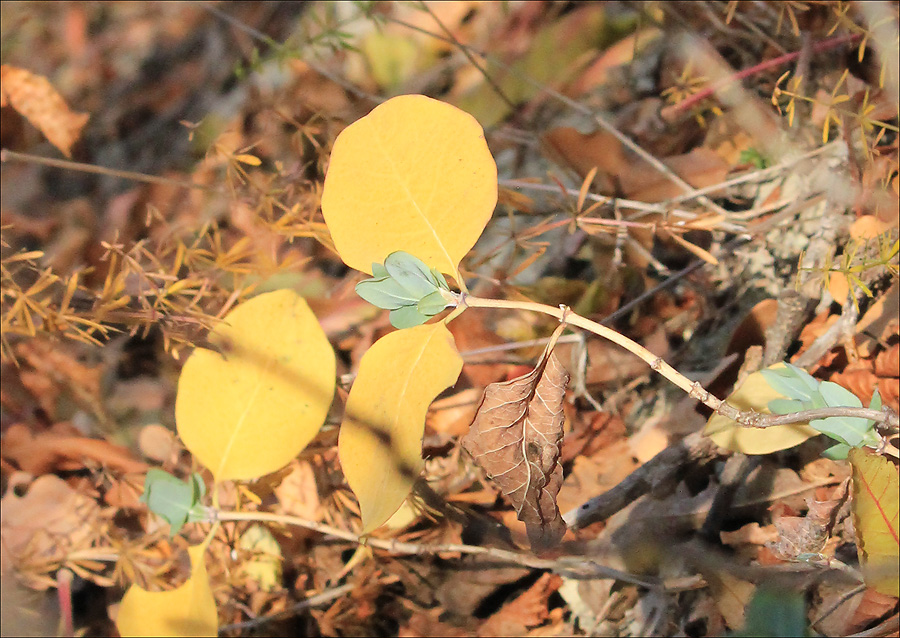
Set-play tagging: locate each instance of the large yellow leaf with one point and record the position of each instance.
(189, 610)
(250, 408)
(755, 394)
(876, 503)
(380, 442)
(416, 175)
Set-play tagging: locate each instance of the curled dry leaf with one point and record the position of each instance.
(35, 98)
(57, 449)
(516, 439)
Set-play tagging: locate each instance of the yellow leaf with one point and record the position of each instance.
(755, 394)
(251, 160)
(392, 58)
(416, 175)
(876, 503)
(189, 610)
(251, 407)
(263, 566)
(380, 444)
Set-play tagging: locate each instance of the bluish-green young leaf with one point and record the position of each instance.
(171, 498)
(775, 612)
(837, 452)
(785, 406)
(385, 293)
(847, 430)
(875, 403)
(407, 317)
(439, 279)
(379, 271)
(811, 382)
(837, 396)
(817, 401)
(791, 381)
(411, 273)
(198, 510)
(431, 304)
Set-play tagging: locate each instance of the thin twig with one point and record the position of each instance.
(313, 601)
(747, 418)
(844, 326)
(471, 58)
(575, 565)
(885, 416)
(6, 155)
(687, 103)
(837, 604)
(626, 141)
(758, 175)
(603, 199)
(661, 470)
(655, 362)
(315, 66)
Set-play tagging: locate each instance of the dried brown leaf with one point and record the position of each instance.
(516, 439)
(35, 98)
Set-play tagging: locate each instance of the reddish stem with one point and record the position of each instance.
(64, 594)
(819, 47)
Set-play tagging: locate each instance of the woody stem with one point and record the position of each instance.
(693, 388)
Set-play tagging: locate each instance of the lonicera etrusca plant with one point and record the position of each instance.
(409, 190)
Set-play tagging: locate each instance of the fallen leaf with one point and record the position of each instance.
(250, 409)
(596, 474)
(451, 416)
(188, 610)
(516, 439)
(414, 175)
(620, 53)
(298, 493)
(41, 527)
(262, 564)
(634, 178)
(872, 607)
(380, 444)
(529, 609)
(751, 533)
(53, 450)
(731, 595)
(876, 515)
(35, 98)
(470, 333)
(157, 443)
(550, 56)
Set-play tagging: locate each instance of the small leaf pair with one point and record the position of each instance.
(407, 287)
(178, 502)
(808, 393)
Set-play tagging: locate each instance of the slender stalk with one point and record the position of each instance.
(566, 564)
(781, 60)
(7, 155)
(747, 418)
(693, 388)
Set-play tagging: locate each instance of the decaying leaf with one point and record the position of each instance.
(516, 440)
(35, 98)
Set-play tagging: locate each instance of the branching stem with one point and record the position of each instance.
(575, 565)
(746, 418)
